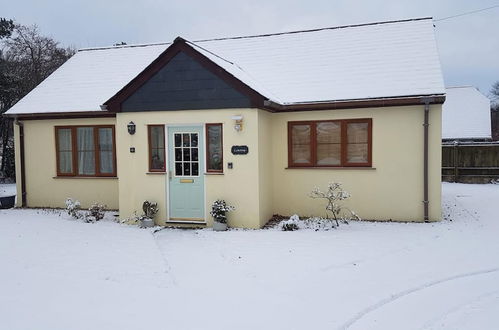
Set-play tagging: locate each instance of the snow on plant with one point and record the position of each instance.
(334, 196)
(219, 208)
(95, 212)
(292, 224)
(150, 209)
(73, 208)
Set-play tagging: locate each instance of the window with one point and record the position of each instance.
(156, 148)
(186, 154)
(85, 151)
(214, 148)
(331, 143)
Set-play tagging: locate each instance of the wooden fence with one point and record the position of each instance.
(470, 163)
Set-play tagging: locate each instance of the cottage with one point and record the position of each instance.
(258, 121)
(466, 115)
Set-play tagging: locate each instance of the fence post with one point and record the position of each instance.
(456, 159)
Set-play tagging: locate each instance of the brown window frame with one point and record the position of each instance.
(149, 127)
(344, 143)
(74, 151)
(208, 170)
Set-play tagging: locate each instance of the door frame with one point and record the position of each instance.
(202, 175)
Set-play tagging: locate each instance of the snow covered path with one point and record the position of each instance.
(56, 273)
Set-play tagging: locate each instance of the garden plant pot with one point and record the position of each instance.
(7, 202)
(218, 226)
(146, 223)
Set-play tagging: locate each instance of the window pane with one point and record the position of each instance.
(328, 154)
(357, 153)
(300, 137)
(357, 132)
(357, 148)
(86, 151)
(65, 162)
(329, 132)
(64, 135)
(65, 150)
(301, 154)
(194, 154)
(106, 150)
(157, 137)
(215, 159)
(157, 159)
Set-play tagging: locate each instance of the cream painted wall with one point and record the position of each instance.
(259, 185)
(43, 188)
(238, 186)
(392, 190)
(265, 166)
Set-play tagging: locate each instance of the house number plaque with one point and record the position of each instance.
(239, 150)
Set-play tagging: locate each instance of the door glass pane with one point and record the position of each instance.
(186, 140)
(194, 154)
(357, 148)
(194, 140)
(187, 168)
(214, 144)
(328, 143)
(195, 169)
(178, 169)
(106, 150)
(86, 150)
(178, 139)
(187, 154)
(300, 144)
(65, 150)
(178, 154)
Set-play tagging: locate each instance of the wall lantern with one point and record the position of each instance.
(131, 128)
(238, 125)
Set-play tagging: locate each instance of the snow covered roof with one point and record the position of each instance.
(466, 114)
(367, 61)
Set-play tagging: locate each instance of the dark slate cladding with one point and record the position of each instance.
(184, 84)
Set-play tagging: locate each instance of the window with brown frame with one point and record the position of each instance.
(330, 143)
(214, 148)
(85, 150)
(156, 135)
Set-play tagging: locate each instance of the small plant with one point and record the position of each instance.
(219, 208)
(95, 212)
(150, 209)
(334, 196)
(291, 224)
(73, 208)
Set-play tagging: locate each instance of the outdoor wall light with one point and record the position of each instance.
(238, 125)
(131, 128)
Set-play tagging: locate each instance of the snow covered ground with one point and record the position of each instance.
(57, 273)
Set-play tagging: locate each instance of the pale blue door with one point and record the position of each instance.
(186, 173)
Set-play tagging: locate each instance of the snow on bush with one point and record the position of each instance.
(95, 213)
(73, 208)
(314, 223)
(293, 223)
(334, 196)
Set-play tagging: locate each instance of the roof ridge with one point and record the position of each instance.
(260, 35)
(124, 46)
(317, 29)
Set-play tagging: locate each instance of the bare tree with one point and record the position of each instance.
(26, 59)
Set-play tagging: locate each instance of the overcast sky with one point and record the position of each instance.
(468, 45)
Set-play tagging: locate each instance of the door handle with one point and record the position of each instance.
(170, 175)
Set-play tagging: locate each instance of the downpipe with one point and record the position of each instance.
(426, 125)
(23, 162)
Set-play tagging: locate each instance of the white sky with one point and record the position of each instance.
(469, 45)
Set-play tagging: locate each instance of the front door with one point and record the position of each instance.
(186, 173)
